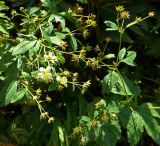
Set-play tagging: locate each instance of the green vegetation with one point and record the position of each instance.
(79, 72)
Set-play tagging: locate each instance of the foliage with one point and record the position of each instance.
(63, 85)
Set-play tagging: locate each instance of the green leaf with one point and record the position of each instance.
(47, 3)
(111, 133)
(55, 39)
(117, 84)
(131, 55)
(11, 92)
(113, 107)
(18, 96)
(85, 119)
(109, 56)
(73, 42)
(3, 6)
(151, 125)
(124, 86)
(53, 86)
(3, 30)
(109, 81)
(83, 1)
(112, 26)
(124, 116)
(151, 108)
(135, 128)
(121, 54)
(23, 46)
(61, 20)
(60, 57)
(50, 3)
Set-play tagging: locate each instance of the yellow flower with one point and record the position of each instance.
(151, 14)
(45, 74)
(124, 15)
(138, 19)
(62, 80)
(119, 8)
(50, 57)
(108, 39)
(50, 120)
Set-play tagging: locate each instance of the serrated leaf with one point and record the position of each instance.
(50, 3)
(73, 42)
(32, 10)
(111, 133)
(112, 26)
(109, 81)
(151, 108)
(18, 96)
(121, 54)
(3, 30)
(11, 92)
(135, 128)
(124, 116)
(125, 86)
(131, 55)
(117, 84)
(113, 107)
(151, 125)
(55, 39)
(23, 47)
(46, 3)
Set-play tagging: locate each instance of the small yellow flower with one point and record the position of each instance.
(39, 92)
(151, 14)
(119, 8)
(85, 33)
(124, 15)
(44, 115)
(138, 19)
(45, 74)
(108, 39)
(48, 98)
(50, 120)
(50, 57)
(91, 22)
(104, 117)
(62, 80)
(84, 140)
(79, 10)
(13, 13)
(63, 44)
(77, 130)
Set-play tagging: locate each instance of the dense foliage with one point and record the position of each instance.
(79, 73)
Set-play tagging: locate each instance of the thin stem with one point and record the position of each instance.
(120, 44)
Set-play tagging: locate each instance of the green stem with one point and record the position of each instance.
(119, 48)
